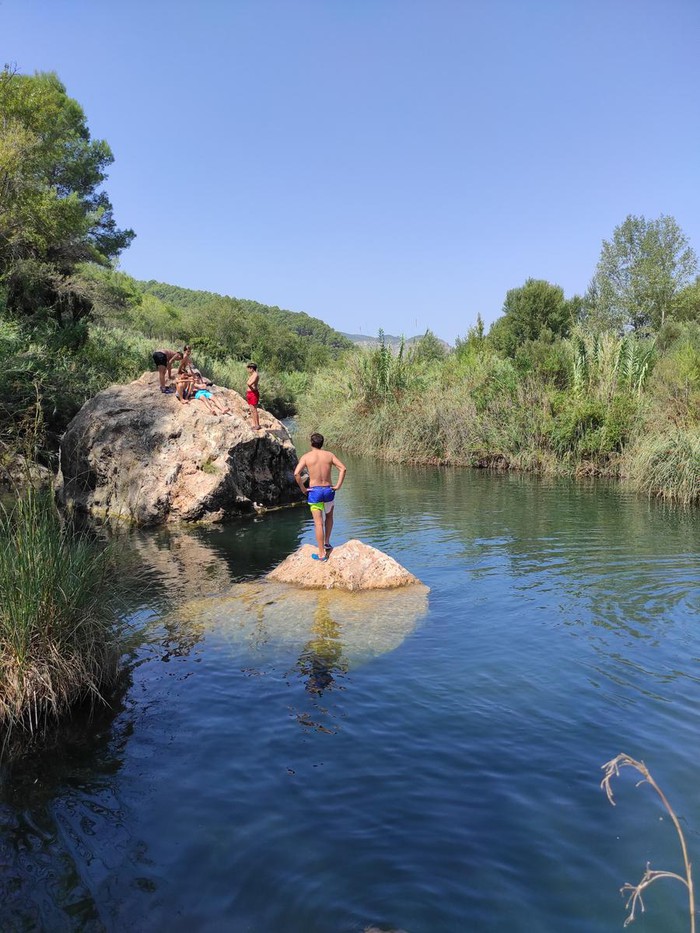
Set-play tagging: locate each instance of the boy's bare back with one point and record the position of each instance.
(319, 464)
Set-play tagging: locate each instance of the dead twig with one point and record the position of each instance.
(612, 769)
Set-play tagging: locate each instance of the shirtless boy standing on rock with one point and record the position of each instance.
(321, 491)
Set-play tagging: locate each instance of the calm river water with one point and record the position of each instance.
(443, 777)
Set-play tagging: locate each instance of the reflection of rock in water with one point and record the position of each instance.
(182, 560)
(264, 616)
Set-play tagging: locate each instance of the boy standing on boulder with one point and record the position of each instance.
(164, 361)
(321, 491)
(253, 394)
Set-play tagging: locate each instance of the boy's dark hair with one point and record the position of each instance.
(316, 441)
(252, 366)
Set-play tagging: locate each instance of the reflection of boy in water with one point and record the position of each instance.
(321, 492)
(323, 654)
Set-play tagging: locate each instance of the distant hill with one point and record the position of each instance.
(298, 322)
(363, 340)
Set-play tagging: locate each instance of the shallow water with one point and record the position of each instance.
(444, 776)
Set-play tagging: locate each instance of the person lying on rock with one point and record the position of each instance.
(203, 394)
(321, 492)
(208, 383)
(164, 360)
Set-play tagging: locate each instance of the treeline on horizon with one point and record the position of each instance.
(604, 383)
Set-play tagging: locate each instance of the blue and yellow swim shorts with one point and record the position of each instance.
(321, 498)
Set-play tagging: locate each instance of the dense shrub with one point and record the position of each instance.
(668, 466)
(589, 427)
(57, 614)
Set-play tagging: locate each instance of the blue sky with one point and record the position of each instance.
(379, 163)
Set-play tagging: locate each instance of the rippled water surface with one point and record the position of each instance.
(440, 774)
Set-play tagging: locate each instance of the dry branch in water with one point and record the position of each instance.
(612, 769)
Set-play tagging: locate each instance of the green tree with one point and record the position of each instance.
(428, 348)
(466, 348)
(53, 213)
(686, 305)
(640, 272)
(535, 311)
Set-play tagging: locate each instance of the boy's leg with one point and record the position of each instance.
(161, 376)
(329, 527)
(318, 528)
(254, 416)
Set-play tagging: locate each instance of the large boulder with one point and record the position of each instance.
(135, 453)
(350, 566)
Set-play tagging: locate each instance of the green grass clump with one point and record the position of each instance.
(57, 618)
(667, 466)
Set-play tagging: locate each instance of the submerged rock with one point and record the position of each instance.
(336, 629)
(135, 453)
(350, 566)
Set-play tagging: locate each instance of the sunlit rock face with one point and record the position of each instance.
(350, 566)
(135, 453)
(328, 630)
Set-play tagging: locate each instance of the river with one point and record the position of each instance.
(441, 777)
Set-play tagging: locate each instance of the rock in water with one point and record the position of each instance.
(350, 566)
(135, 453)
(266, 621)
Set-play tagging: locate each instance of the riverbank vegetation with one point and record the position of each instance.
(605, 384)
(58, 640)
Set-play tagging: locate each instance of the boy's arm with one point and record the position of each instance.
(297, 474)
(342, 470)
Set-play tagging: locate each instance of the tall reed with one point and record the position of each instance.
(667, 466)
(57, 614)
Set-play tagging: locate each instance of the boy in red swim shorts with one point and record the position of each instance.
(253, 394)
